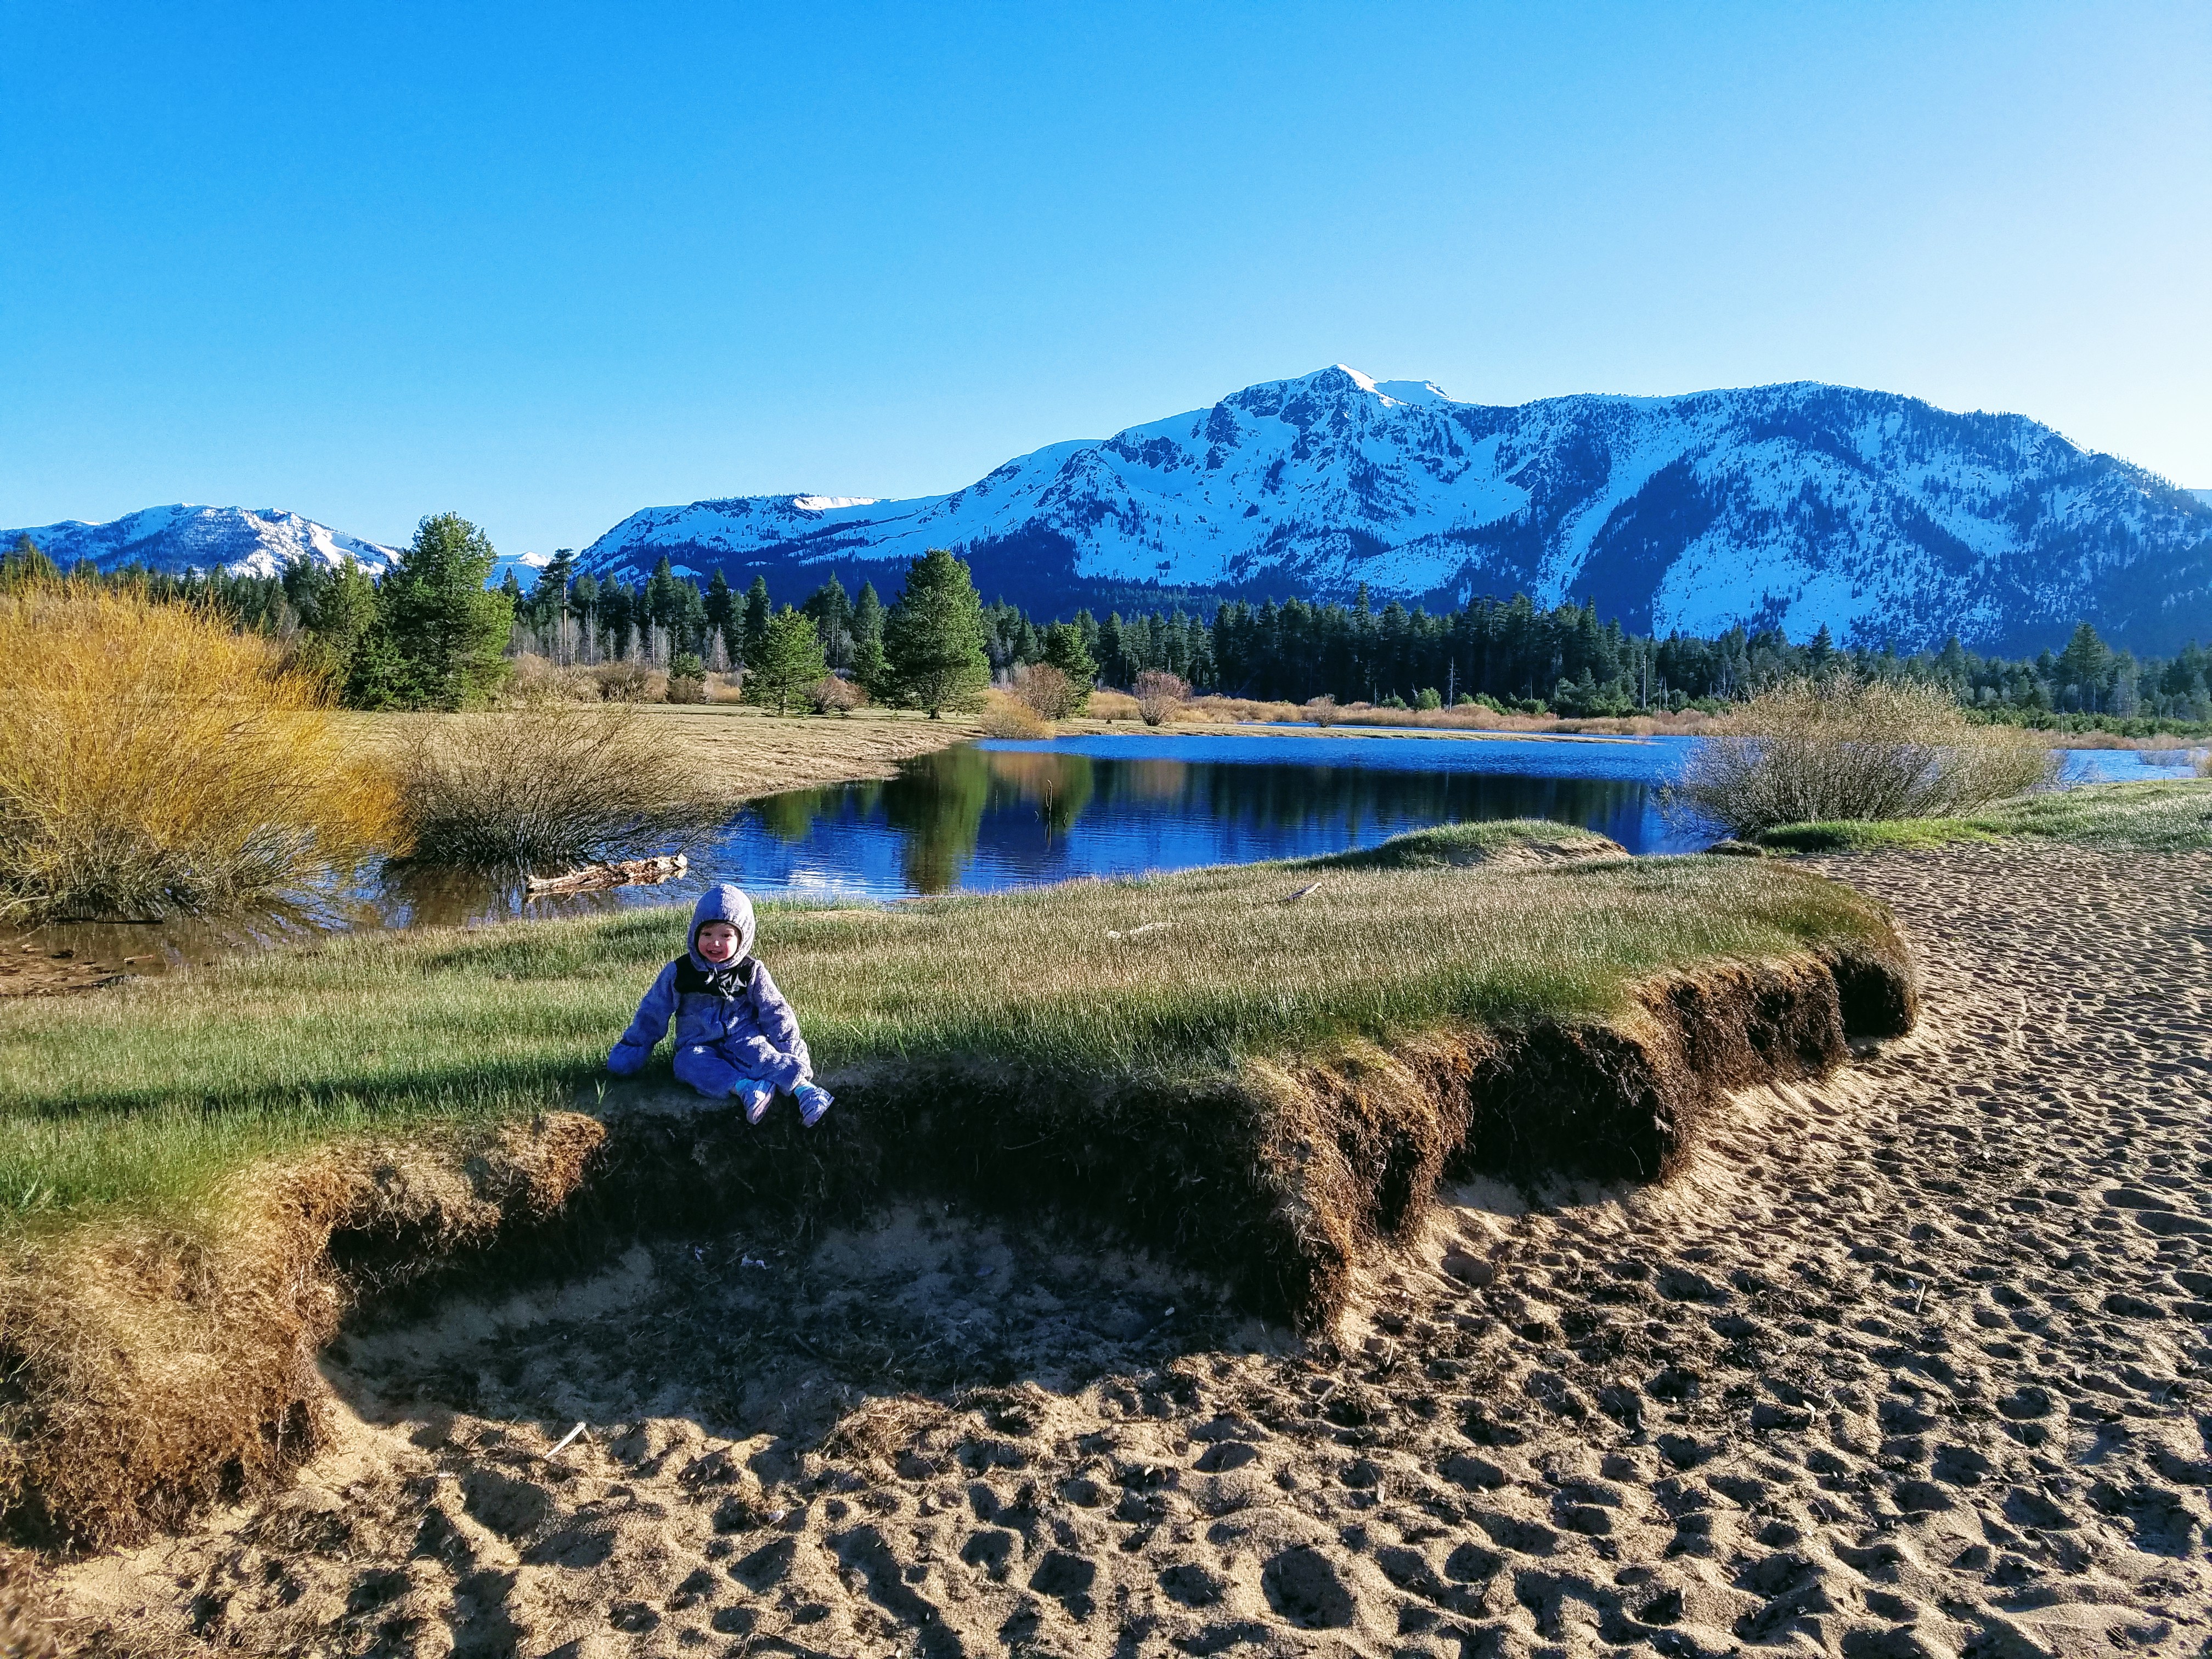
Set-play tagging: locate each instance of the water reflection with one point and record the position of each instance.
(1001, 815)
(998, 815)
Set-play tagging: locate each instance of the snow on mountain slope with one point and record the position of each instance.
(1793, 505)
(246, 541)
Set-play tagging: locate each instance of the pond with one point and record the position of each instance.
(985, 817)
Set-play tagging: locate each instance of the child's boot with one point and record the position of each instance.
(754, 1098)
(813, 1101)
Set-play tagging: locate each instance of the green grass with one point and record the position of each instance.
(144, 1096)
(2159, 817)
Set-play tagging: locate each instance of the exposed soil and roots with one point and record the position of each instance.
(158, 1374)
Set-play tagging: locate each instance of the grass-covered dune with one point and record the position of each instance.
(1264, 1069)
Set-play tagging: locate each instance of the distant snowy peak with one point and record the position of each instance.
(245, 541)
(1788, 506)
(526, 566)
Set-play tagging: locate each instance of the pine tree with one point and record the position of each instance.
(757, 612)
(344, 611)
(933, 637)
(1064, 650)
(549, 600)
(787, 661)
(444, 634)
(719, 605)
(832, 615)
(26, 563)
(867, 625)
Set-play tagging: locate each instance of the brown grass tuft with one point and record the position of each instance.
(1007, 716)
(153, 1371)
(550, 782)
(154, 759)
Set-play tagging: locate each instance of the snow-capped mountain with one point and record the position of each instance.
(246, 541)
(1879, 515)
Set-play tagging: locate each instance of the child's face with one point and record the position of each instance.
(718, 941)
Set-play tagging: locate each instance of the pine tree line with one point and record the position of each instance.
(1510, 653)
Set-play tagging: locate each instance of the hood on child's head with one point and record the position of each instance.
(721, 902)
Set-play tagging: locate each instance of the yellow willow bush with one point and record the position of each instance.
(153, 758)
(1817, 751)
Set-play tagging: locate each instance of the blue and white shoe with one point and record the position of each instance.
(755, 1098)
(813, 1101)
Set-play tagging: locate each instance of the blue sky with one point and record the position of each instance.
(546, 264)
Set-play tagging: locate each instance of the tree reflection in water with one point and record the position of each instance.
(985, 819)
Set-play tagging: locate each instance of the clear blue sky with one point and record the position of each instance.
(548, 263)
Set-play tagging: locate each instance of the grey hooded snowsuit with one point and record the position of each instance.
(733, 1025)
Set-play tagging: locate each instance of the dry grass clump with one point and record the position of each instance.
(1823, 750)
(831, 696)
(543, 784)
(154, 1368)
(539, 679)
(629, 681)
(1113, 706)
(1005, 716)
(154, 759)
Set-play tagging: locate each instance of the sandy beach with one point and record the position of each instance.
(1912, 1361)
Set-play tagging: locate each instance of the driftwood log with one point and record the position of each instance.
(617, 873)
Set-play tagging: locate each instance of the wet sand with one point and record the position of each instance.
(1913, 1361)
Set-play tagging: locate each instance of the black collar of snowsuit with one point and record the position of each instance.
(725, 982)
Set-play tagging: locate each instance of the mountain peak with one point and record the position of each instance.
(1879, 516)
(182, 535)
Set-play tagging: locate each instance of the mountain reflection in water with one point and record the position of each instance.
(992, 816)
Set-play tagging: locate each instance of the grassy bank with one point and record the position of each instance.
(2156, 817)
(1263, 1070)
(144, 1095)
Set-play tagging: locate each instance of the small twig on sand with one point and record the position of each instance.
(565, 1441)
(1311, 887)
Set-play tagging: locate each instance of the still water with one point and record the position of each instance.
(995, 815)
(998, 815)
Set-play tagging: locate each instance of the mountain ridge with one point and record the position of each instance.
(1795, 505)
(245, 541)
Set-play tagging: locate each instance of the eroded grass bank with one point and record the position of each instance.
(1263, 1069)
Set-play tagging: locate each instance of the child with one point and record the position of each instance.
(735, 1035)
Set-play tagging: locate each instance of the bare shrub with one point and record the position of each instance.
(687, 678)
(1813, 751)
(831, 696)
(154, 759)
(1049, 693)
(1007, 716)
(624, 682)
(554, 782)
(1159, 695)
(1324, 711)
